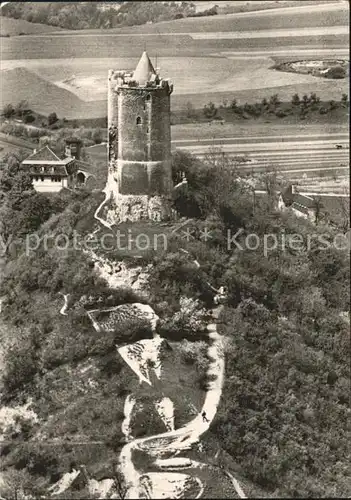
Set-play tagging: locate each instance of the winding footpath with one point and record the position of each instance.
(164, 447)
(64, 308)
(108, 191)
(175, 441)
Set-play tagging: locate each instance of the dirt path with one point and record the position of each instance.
(63, 309)
(165, 446)
(108, 191)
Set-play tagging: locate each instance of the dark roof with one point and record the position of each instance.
(82, 165)
(44, 153)
(288, 195)
(73, 140)
(304, 201)
(309, 201)
(300, 208)
(333, 206)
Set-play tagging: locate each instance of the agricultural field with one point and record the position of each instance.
(67, 72)
(7, 149)
(191, 131)
(44, 97)
(234, 6)
(110, 45)
(78, 88)
(87, 78)
(13, 145)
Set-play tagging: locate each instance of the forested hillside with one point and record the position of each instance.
(85, 15)
(284, 411)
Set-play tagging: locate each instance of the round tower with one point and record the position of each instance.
(140, 142)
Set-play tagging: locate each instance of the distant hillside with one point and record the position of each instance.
(234, 6)
(13, 27)
(44, 97)
(85, 15)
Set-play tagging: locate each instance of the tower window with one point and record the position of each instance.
(138, 120)
(148, 97)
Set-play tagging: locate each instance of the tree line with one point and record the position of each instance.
(299, 105)
(87, 15)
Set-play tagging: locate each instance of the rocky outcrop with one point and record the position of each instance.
(11, 418)
(120, 275)
(121, 319)
(132, 208)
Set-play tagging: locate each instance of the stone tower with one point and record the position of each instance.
(140, 142)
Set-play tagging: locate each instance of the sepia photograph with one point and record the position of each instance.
(174, 250)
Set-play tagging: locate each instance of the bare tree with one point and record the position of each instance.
(190, 112)
(18, 485)
(119, 484)
(20, 108)
(224, 179)
(344, 210)
(318, 209)
(271, 183)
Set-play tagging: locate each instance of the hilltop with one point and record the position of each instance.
(281, 420)
(46, 97)
(14, 27)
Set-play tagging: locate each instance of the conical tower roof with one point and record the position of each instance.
(144, 70)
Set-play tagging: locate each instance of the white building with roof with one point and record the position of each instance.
(50, 173)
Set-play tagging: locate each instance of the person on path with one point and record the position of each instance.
(204, 418)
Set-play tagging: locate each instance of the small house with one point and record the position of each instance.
(50, 173)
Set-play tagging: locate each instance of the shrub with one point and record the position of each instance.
(344, 98)
(29, 118)
(147, 421)
(210, 110)
(189, 322)
(111, 364)
(336, 72)
(97, 136)
(274, 100)
(280, 113)
(190, 112)
(52, 118)
(194, 353)
(333, 104)
(8, 111)
(21, 364)
(295, 101)
(234, 104)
